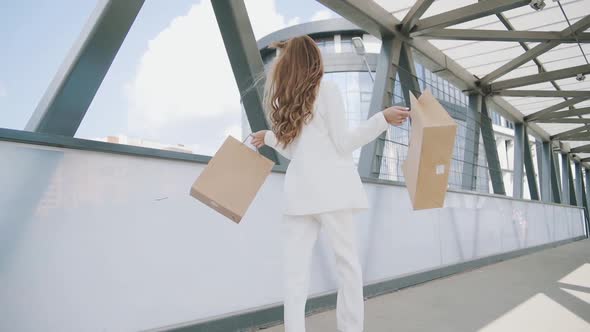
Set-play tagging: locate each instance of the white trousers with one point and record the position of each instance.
(300, 234)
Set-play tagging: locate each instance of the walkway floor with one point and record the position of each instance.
(545, 291)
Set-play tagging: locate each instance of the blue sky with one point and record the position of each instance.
(38, 35)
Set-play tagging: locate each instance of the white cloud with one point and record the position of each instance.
(184, 90)
(323, 15)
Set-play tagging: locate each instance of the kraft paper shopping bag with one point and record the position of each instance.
(231, 179)
(432, 137)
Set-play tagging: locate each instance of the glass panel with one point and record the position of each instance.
(456, 103)
(356, 88)
(36, 37)
(326, 45)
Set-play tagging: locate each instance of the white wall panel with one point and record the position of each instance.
(92, 241)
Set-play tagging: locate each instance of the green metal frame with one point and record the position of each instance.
(381, 98)
(246, 62)
(489, 142)
(565, 175)
(586, 197)
(544, 163)
(567, 181)
(518, 160)
(471, 153)
(69, 95)
(530, 168)
(555, 179)
(579, 183)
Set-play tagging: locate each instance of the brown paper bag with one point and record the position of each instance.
(427, 165)
(231, 179)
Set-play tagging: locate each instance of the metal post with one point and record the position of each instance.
(571, 185)
(579, 183)
(489, 142)
(529, 167)
(544, 162)
(72, 89)
(565, 178)
(407, 74)
(471, 153)
(518, 178)
(585, 199)
(371, 154)
(555, 179)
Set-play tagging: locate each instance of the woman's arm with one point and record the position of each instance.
(267, 137)
(347, 140)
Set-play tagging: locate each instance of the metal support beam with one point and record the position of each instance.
(540, 78)
(573, 133)
(489, 142)
(547, 113)
(568, 113)
(65, 102)
(407, 74)
(587, 187)
(240, 44)
(518, 178)
(572, 194)
(581, 149)
(467, 13)
(541, 93)
(429, 56)
(366, 14)
(534, 52)
(371, 154)
(579, 183)
(544, 163)
(525, 47)
(471, 153)
(417, 10)
(519, 61)
(504, 36)
(529, 167)
(585, 200)
(583, 120)
(555, 179)
(583, 137)
(565, 179)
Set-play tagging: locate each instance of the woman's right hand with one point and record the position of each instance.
(396, 115)
(258, 138)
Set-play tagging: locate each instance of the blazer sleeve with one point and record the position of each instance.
(345, 139)
(270, 139)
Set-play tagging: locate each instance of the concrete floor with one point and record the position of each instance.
(545, 291)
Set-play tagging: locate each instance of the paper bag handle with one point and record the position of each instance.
(251, 147)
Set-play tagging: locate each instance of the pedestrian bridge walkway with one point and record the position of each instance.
(545, 291)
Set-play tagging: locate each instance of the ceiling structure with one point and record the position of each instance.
(529, 63)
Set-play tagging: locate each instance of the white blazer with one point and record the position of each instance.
(321, 176)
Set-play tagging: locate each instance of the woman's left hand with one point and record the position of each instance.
(258, 138)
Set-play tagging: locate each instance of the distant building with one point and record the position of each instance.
(349, 71)
(122, 139)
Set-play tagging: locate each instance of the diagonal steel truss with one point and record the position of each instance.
(415, 32)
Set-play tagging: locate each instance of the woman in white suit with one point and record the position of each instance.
(322, 185)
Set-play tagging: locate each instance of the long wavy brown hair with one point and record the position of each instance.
(292, 87)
